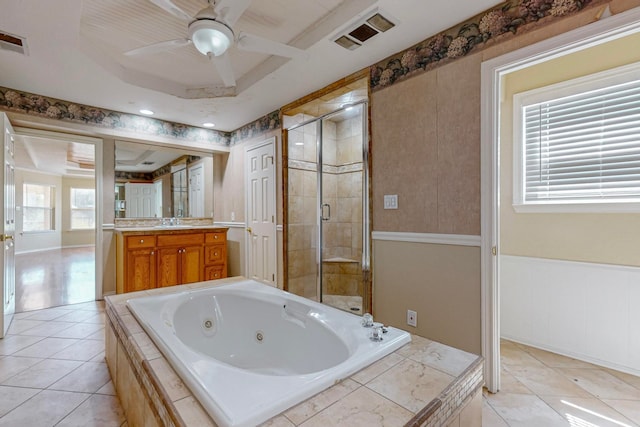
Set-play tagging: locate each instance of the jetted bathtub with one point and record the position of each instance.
(249, 351)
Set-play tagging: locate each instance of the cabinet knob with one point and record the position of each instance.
(141, 240)
(215, 253)
(215, 236)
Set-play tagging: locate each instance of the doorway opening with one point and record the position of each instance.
(56, 219)
(568, 259)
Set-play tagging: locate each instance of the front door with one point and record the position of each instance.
(261, 212)
(7, 219)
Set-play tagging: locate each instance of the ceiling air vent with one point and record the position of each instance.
(13, 43)
(355, 35)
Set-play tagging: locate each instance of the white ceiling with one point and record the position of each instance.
(75, 52)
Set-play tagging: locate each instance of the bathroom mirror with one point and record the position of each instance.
(161, 182)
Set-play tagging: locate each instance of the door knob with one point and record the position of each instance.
(249, 230)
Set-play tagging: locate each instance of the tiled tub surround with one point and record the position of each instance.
(423, 383)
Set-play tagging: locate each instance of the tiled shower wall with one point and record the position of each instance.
(342, 252)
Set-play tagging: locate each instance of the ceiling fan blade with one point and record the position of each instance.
(223, 65)
(255, 43)
(159, 47)
(231, 10)
(168, 6)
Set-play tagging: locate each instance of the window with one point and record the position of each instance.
(577, 144)
(38, 207)
(83, 208)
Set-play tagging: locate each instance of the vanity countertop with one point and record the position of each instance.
(424, 383)
(168, 229)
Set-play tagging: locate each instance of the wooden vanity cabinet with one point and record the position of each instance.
(180, 259)
(141, 262)
(159, 259)
(215, 255)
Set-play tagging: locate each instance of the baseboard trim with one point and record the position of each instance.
(574, 355)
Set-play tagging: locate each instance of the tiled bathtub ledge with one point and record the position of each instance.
(424, 383)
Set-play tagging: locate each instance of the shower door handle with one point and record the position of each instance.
(322, 215)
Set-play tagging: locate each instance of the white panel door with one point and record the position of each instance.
(7, 219)
(261, 212)
(140, 200)
(196, 191)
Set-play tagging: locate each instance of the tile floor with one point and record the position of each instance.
(542, 389)
(52, 370)
(52, 373)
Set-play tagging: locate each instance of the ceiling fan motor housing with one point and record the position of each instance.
(210, 36)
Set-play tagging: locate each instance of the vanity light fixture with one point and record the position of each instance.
(208, 125)
(146, 112)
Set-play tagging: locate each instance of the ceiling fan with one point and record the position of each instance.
(211, 32)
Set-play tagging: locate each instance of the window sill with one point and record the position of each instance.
(586, 208)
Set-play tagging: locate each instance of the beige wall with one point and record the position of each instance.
(426, 149)
(440, 282)
(74, 237)
(611, 238)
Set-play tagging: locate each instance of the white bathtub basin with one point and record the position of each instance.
(248, 351)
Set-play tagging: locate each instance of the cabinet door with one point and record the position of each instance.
(141, 270)
(191, 264)
(169, 266)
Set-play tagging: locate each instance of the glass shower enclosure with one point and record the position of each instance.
(328, 245)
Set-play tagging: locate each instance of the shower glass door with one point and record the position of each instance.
(327, 243)
(341, 213)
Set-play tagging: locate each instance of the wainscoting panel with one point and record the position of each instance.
(587, 311)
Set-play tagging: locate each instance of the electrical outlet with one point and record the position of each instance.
(412, 318)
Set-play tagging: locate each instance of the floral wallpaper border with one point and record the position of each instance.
(496, 25)
(264, 124)
(57, 109)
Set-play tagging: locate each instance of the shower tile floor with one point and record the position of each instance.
(352, 304)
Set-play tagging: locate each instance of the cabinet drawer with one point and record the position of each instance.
(215, 272)
(215, 237)
(134, 242)
(180, 239)
(215, 254)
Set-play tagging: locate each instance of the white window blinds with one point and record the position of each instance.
(583, 147)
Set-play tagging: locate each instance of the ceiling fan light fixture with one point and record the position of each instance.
(210, 37)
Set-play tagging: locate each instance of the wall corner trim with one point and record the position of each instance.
(433, 238)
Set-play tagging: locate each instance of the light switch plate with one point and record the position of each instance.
(391, 201)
